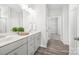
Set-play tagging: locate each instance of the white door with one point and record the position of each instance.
(52, 26)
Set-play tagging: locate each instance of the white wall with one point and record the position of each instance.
(39, 20)
(74, 28)
(54, 12)
(72, 14)
(42, 17)
(65, 24)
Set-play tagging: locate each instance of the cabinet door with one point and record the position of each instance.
(31, 45)
(20, 51)
(37, 38)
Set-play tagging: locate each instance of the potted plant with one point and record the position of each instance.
(14, 29)
(20, 30)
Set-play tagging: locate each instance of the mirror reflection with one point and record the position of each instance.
(10, 16)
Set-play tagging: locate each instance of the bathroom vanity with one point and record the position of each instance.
(20, 45)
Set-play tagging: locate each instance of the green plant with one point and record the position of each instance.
(14, 29)
(20, 29)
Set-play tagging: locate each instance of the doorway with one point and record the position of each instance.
(52, 27)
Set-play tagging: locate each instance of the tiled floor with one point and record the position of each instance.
(55, 47)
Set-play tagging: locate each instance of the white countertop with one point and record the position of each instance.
(12, 38)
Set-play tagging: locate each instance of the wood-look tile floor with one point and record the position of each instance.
(54, 47)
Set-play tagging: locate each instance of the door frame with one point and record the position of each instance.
(59, 19)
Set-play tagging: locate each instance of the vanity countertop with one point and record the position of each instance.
(12, 38)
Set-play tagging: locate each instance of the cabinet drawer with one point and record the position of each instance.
(20, 51)
(6, 49)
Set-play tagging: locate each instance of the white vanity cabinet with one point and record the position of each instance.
(4, 50)
(27, 45)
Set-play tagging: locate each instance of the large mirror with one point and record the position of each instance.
(10, 16)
